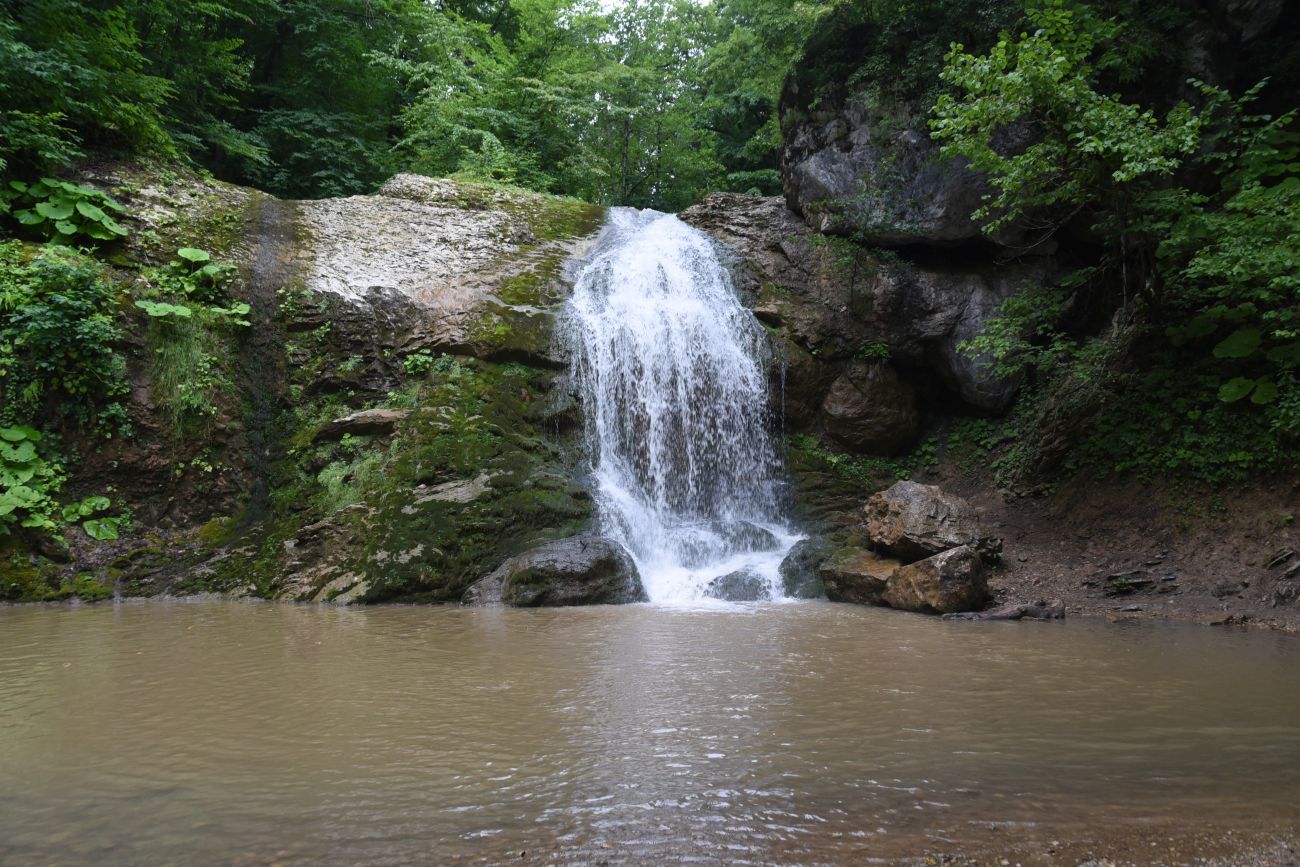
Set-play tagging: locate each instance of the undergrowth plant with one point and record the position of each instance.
(190, 315)
(62, 212)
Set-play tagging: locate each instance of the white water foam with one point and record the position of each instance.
(672, 373)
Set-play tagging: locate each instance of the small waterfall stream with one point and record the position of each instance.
(671, 370)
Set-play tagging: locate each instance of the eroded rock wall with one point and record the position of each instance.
(395, 423)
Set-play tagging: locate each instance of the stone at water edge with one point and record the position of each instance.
(912, 521)
(739, 586)
(1039, 609)
(945, 583)
(580, 570)
(857, 575)
(799, 576)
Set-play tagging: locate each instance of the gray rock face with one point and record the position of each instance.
(825, 301)
(799, 575)
(912, 521)
(854, 167)
(739, 586)
(952, 581)
(368, 422)
(869, 409)
(581, 570)
(857, 575)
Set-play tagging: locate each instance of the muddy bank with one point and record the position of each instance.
(1133, 551)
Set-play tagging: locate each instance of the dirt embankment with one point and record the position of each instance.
(1128, 550)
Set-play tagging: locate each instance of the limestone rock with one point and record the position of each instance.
(854, 166)
(857, 575)
(952, 581)
(580, 570)
(911, 521)
(739, 586)
(799, 576)
(369, 422)
(869, 409)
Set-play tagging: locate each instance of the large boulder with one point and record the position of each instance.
(742, 585)
(857, 575)
(912, 521)
(855, 166)
(869, 409)
(580, 570)
(799, 576)
(952, 581)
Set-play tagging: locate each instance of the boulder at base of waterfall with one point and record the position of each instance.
(912, 521)
(799, 576)
(1039, 609)
(581, 570)
(739, 586)
(744, 536)
(857, 575)
(945, 583)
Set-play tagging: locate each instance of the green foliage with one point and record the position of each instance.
(1084, 144)
(61, 212)
(29, 486)
(418, 363)
(187, 335)
(1196, 210)
(58, 340)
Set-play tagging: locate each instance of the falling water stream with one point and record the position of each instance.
(672, 373)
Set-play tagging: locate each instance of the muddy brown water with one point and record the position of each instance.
(219, 732)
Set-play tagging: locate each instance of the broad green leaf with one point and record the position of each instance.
(20, 432)
(28, 218)
(1287, 355)
(96, 503)
(65, 227)
(1238, 344)
(91, 212)
(192, 254)
(102, 529)
(1265, 392)
(54, 210)
(1235, 389)
(160, 309)
(20, 453)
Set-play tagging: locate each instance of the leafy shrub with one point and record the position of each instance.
(185, 335)
(418, 363)
(58, 340)
(29, 483)
(61, 211)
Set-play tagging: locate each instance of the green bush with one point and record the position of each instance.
(58, 340)
(62, 212)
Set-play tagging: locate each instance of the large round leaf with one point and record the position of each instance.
(54, 210)
(1235, 389)
(1265, 391)
(1238, 344)
(191, 254)
(90, 212)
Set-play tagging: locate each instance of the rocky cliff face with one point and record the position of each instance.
(869, 340)
(392, 426)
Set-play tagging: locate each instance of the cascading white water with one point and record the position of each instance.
(671, 370)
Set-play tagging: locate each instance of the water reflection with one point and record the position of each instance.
(153, 732)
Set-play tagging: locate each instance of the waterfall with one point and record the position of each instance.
(671, 369)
